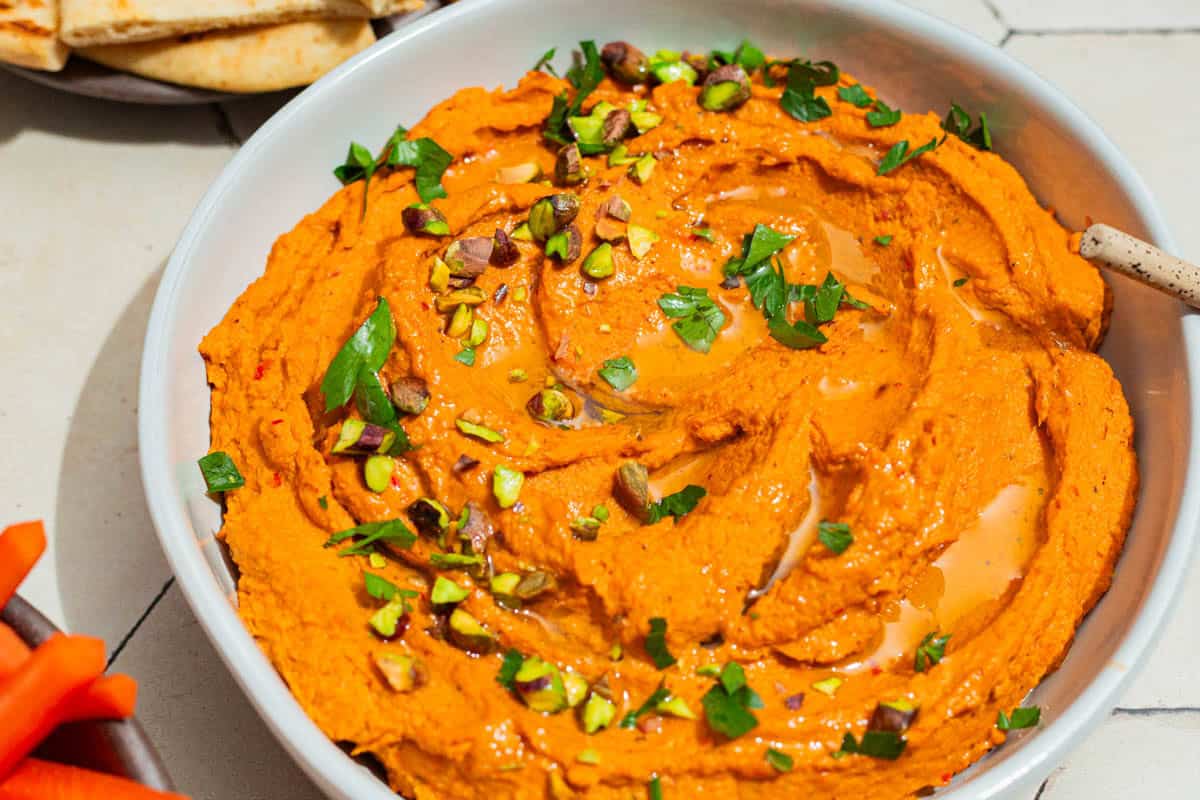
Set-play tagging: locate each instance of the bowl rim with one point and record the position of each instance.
(337, 774)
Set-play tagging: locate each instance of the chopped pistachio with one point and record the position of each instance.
(641, 240)
(522, 233)
(642, 169)
(551, 214)
(517, 376)
(576, 687)
(505, 253)
(465, 632)
(403, 672)
(586, 529)
(894, 716)
(599, 262)
(675, 707)
(550, 405)
(565, 245)
(667, 66)
(605, 327)
(377, 471)
(568, 166)
(616, 652)
(589, 129)
(646, 121)
(506, 485)
(503, 587)
(377, 561)
(589, 756)
(625, 62)
(409, 394)
(662, 213)
(617, 125)
(362, 438)
(479, 431)
(725, 88)
(709, 671)
(520, 294)
(519, 173)
(422, 219)
(619, 156)
(609, 416)
(598, 713)
(609, 229)
(460, 322)
(828, 686)
(470, 296)
(469, 257)
(533, 584)
(631, 489)
(429, 516)
(439, 275)
(446, 591)
(386, 622)
(540, 685)
(478, 334)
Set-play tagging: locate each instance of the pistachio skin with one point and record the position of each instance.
(631, 490)
(504, 250)
(617, 126)
(568, 166)
(550, 405)
(625, 62)
(725, 89)
(551, 214)
(424, 220)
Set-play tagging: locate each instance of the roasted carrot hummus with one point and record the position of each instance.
(683, 427)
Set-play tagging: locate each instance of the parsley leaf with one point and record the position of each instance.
(798, 335)
(826, 300)
(768, 289)
(799, 96)
(509, 668)
(884, 241)
(619, 373)
(698, 318)
(855, 95)
(835, 536)
(378, 587)
(654, 789)
(899, 155)
(883, 116)
(455, 560)
(757, 246)
(394, 532)
(220, 473)
(1020, 718)
(887, 745)
(958, 122)
(727, 709)
(656, 644)
(930, 651)
(749, 56)
(703, 233)
(960, 282)
(427, 156)
(466, 356)
(656, 697)
(366, 350)
(584, 78)
(676, 505)
(543, 63)
(781, 762)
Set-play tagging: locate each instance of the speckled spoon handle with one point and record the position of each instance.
(1142, 261)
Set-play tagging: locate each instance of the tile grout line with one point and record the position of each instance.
(1155, 711)
(1185, 31)
(1041, 789)
(225, 125)
(125, 639)
(991, 6)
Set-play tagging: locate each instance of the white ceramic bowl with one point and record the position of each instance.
(916, 62)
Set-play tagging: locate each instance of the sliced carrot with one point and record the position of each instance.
(20, 548)
(44, 780)
(34, 698)
(110, 697)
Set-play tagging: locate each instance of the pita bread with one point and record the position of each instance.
(29, 34)
(86, 23)
(261, 59)
(385, 8)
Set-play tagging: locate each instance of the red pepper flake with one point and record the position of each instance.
(395, 482)
(884, 215)
(947, 776)
(277, 421)
(261, 369)
(335, 274)
(277, 479)
(876, 670)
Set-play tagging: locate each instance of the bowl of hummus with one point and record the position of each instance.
(681, 400)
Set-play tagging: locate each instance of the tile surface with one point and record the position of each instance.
(75, 290)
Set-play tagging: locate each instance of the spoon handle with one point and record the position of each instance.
(1142, 261)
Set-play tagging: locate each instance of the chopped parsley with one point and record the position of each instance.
(466, 356)
(887, 745)
(883, 115)
(584, 77)
(835, 536)
(220, 473)
(930, 651)
(677, 504)
(961, 282)
(654, 789)
(958, 122)
(799, 98)
(543, 63)
(703, 233)
(798, 335)
(698, 319)
(855, 95)
(363, 353)
(781, 762)
(619, 373)
(884, 241)
(657, 696)
(426, 155)
(1026, 717)
(728, 704)
(757, 246)
(656, 644)
(509, 668)
(455, 560)
(378, 587)
(899, 155)
(748, 56)
(393, 532)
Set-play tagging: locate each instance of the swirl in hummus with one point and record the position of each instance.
(658, 513)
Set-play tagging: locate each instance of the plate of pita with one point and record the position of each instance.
(189, 51)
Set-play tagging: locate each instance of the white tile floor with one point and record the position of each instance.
(74, 299)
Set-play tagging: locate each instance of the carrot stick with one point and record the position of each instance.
(34, 698)
(110, 697)
(45, 780)
(20, 548)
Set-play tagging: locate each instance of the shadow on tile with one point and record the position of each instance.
(29, 106)
(108, 559)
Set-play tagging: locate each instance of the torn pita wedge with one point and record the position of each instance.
(261, 59)
(385, 8)
(29, 34)
(87, 23)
